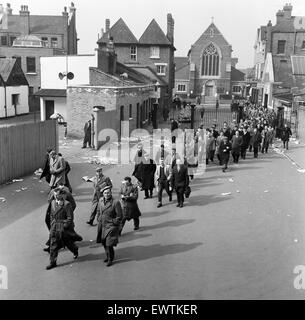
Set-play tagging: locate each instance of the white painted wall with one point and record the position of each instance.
(2, 102)
(60, 106)
(23, 106)
(77, 64)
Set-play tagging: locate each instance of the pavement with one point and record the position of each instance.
(239, 236)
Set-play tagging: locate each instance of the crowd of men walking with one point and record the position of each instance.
(168, 171)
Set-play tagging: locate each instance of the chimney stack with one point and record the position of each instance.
(65, 12)
(279, 16)
(9, 10)
(170, 28)
(287, 10)
(24, 20)
(268, 36)
(107, 58)
(107, 25)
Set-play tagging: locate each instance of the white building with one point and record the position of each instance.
(57, 73)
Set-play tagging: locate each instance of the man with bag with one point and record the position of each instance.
(162, 181)
(180, 181)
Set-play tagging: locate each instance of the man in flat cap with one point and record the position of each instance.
(100, 181)
(109, 217)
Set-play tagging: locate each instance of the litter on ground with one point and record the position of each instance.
(2, 199)
(226, 193)
(17, 180)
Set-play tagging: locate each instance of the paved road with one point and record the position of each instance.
(241, 246)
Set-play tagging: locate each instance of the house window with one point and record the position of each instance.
(44, 41)
(130, 111)
(15, 99)
(30, 65)
(281, 46)
(210, 61)
(161, 69)
(133, 53)
(303, 45)
(181, 88)
(18, 60)
(12, 39)
(155, 52)
(236, 89)
(54, 42)
(3, 40)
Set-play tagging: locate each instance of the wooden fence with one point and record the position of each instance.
(23, 148)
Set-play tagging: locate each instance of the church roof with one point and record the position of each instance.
(120, 33)
(216, 32)
(237, 75)
(154, 35)
(6, 67)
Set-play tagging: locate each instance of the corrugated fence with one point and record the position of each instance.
(23, 148)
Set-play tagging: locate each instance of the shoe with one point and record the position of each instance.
(178, 205)
(223, 170)
(146, 197)
(83, 147)
(181, 205)
(47, 249)
(159, 205)
(106, 260)
(51, 265)
(75, 255)
(109, 263)
(89, 222)
(136, 228)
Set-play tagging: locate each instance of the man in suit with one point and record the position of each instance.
(162, 180)
(100, 181)
(179, 181)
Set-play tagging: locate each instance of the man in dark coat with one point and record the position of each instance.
(162, 180)
(46, 169)
(179, 181)
(52, 196)
(236, 145)
(129, 196)
(148, 174)
(138, 161)
(257, 139)
(224, 152)
(245, 143)
(99, 182)
(286, 134)
(57, 170)
(174, 127)
(109, 216)
(226, 130)
(67, 170)
(62, 228)
(87, 132)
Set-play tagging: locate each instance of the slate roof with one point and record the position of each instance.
(154, 35)
(38, 24)
(149, 73)
(182, 70)
(237, 75)
(216, 33)
(6, 67)
(120, 33)
(51, 93)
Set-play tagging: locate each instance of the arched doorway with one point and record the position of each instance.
(209, 89)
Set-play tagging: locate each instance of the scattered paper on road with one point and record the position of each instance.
(2, 199)
(266, 191)
(18, 190)
(296, 240)
(231, 180)
(237, 191)
(226, 193)
(17, 180)
(24, 188)
(301, 170)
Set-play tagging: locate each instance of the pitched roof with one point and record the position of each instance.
(182, 70)
(150, 74)
(216, 33)
(154, 35)
(237, 75)
(120, 33)
(38, 24)
(6, 67)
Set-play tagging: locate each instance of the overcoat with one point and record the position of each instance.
(148, 174)
(98, 185)
(180, 179)
(224, 150)
(109, 217)
(57, 170)
(46, 169)
(129, 203)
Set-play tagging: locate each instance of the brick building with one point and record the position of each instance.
(154, 50)
(206, 72)
(27, 37)
(115, 93)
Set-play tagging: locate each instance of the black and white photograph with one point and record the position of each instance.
(152, 151)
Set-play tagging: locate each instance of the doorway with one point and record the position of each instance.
(49, 105)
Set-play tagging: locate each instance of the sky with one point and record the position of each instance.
(237, 20)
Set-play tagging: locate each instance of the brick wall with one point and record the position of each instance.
(97, 78)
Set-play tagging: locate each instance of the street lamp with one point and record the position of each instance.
(192, 115)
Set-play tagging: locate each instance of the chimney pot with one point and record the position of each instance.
(107, 25)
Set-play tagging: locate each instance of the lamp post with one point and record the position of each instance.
(192, 115)
(217, 106)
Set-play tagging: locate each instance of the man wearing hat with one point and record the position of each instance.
(109, 217)
(99, 182)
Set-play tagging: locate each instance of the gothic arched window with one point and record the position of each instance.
(210, 61)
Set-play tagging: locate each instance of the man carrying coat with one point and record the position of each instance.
(99, 182)
(109, 216)
(179, 181)
(129, 197)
